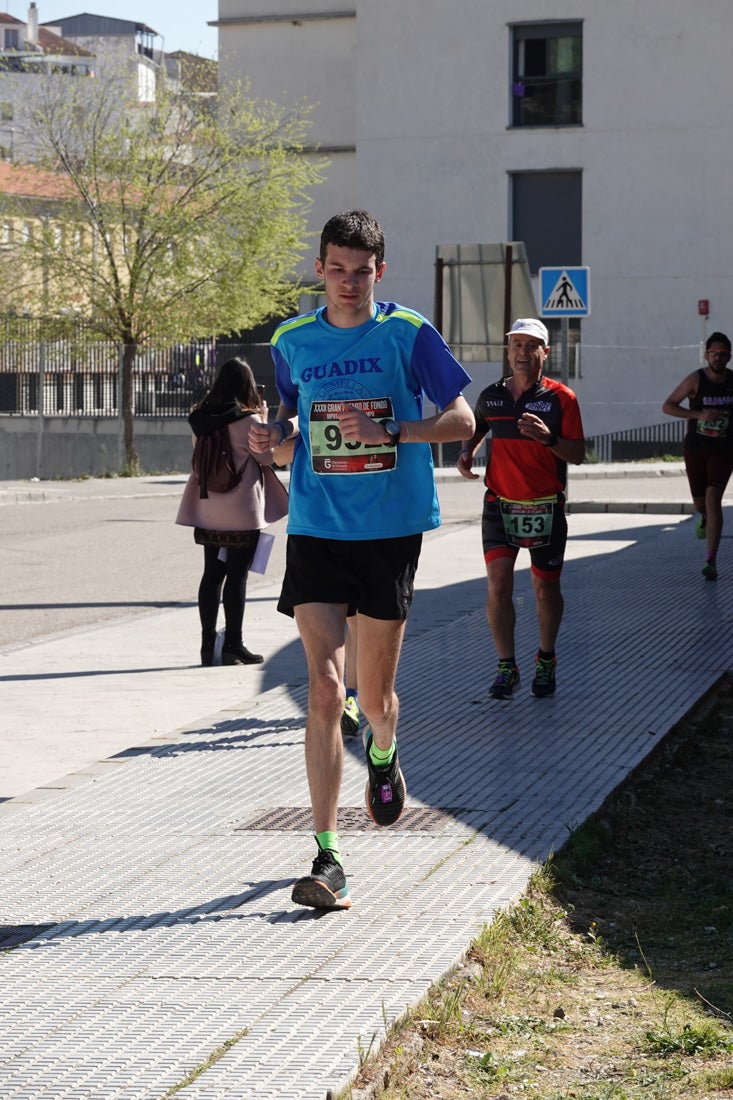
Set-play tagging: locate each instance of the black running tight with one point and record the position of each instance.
(224, 581)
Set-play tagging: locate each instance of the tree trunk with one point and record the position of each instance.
(132, 460)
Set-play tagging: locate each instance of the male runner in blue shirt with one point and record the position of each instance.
(352, 376)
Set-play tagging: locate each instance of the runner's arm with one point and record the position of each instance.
(569, 450)
(469, 447)
(453, 422)
(265, 437)
(673, 405)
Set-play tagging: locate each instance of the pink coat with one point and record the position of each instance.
(243, 509)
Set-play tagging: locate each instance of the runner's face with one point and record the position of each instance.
(349, 275)
(717, 357)
(526, 355)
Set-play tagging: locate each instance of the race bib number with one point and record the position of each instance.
(714, 426)
(527, 522)
(332, 454)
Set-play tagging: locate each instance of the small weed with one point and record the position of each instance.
(701, 1038)
(365, 1052)
(595, 937)
(491, 1068)
(535, 924)
(716, 1079)
(494, 950)
(496, 975)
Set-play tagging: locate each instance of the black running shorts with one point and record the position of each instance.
(547, 561)
(375, 577)
(707, 467)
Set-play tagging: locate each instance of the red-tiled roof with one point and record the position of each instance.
(29, 182)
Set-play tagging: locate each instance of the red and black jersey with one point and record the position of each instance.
(521, 468)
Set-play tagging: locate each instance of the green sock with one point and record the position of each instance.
(381, 758)
(331, 841)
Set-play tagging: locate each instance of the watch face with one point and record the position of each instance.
(392, 428)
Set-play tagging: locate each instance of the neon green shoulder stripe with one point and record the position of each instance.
(288, 326)
(404, 315)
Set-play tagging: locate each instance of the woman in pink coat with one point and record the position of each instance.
(227, 525)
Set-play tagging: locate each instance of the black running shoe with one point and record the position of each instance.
(385, 789)
(325, 887)
(544, 677)
(351, 717)
(507, 679)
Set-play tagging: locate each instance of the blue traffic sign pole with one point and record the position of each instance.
(564, 293)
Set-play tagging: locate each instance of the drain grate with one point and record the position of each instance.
(297, 819)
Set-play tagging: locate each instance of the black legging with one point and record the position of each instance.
(231, 577)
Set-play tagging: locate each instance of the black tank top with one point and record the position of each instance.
(716, 430)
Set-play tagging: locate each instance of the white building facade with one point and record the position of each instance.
(120, 44)
(600, 134)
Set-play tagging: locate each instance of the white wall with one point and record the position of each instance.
(422, 88)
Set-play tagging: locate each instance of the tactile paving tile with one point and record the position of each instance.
(158, 892)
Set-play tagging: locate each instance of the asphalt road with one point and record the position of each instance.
(81, 553)
(75, 562)
(80, 563)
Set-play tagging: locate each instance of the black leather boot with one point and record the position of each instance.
(238, 654)
(208, 641)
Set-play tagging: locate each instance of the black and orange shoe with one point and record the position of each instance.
(325, 887)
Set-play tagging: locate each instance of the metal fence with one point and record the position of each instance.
(73, 377)
(70, 373)
(634, 444)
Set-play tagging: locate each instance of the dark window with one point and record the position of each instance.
(547, 214)
(547, 74)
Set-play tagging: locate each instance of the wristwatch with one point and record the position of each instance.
(392, 429)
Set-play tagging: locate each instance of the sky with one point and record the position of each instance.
(182, 23)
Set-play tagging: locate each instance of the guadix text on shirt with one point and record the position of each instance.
(340, 370)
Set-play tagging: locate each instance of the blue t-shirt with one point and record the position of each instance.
(348, 490)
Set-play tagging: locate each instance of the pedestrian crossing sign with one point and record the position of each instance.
(564, 291)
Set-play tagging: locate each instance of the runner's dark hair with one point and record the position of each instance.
(354, 229)
(717, 338)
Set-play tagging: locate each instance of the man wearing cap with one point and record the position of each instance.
(536, 429)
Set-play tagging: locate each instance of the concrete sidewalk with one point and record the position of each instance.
(146, 895)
